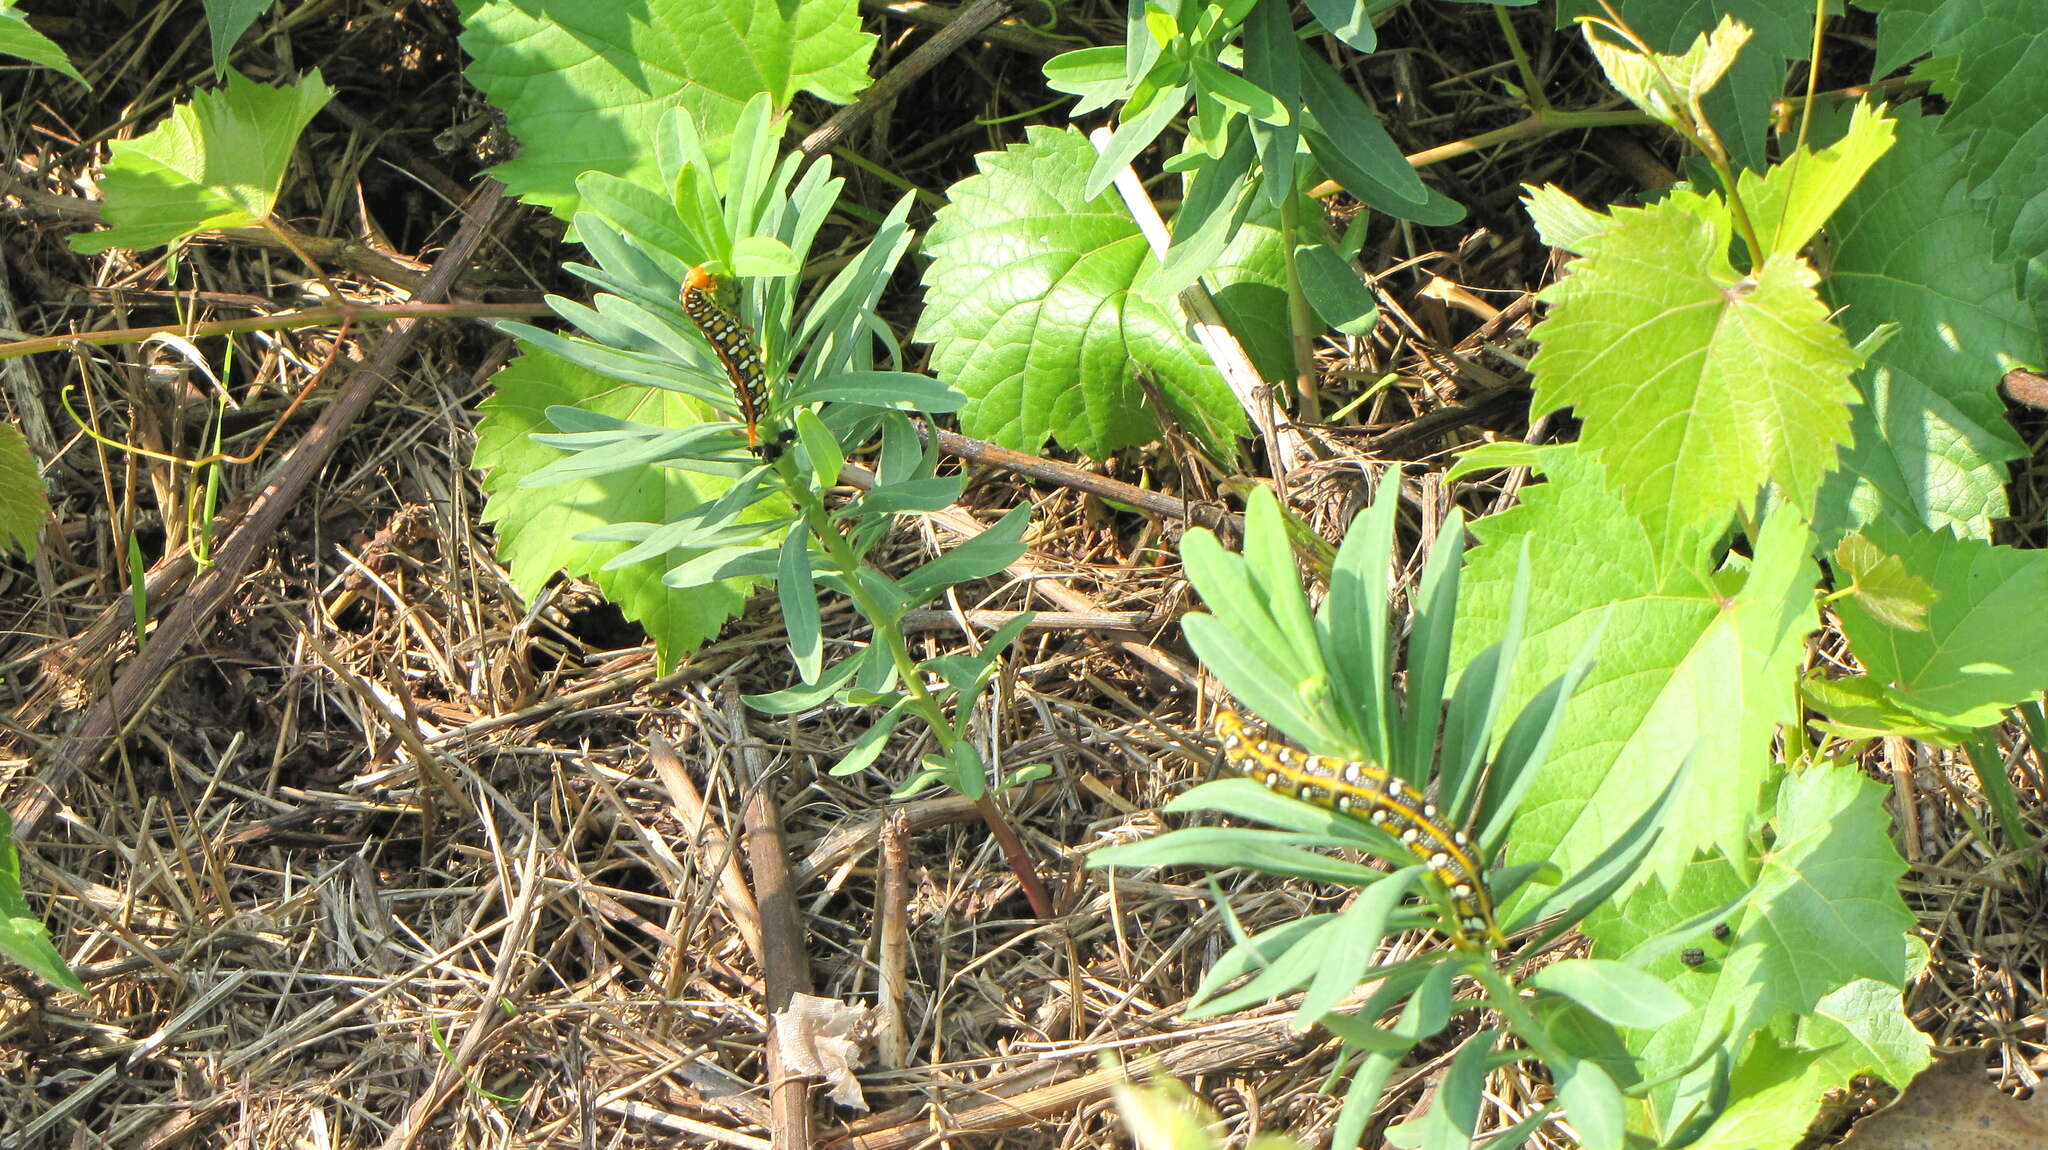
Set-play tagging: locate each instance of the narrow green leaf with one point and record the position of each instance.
(868, 747)
(799, 598)
(1353, 943)
(1623, 995)
(1333, 288)
(23, 937)
(1094, 74)
(1350, 144)
(897, 390)
(1136, 129)
(984, 555)
(1215, 847)
(1592, 1103)
(1347, 20)
(18, 39)
(806, 696)
(821, 448)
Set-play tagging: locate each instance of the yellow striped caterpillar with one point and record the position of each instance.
(1371, 793)
(734, 345)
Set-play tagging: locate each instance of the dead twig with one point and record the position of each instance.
(95, 733)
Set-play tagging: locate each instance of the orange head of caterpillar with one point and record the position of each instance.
(699, 278)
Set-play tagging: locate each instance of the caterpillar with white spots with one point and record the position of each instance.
(1372, 794)
(735, 347)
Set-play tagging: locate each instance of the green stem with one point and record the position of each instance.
(1504, 998)
(305, 317)
(889, 632)
(1300, 323)
(1531, 87)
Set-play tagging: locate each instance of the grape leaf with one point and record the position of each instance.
(1882, 585)
(1697, 384)
(1667, 86)
(1826, 906)
(1910, 247)
(1789, 203)
(24, 508)
(1864, 1029)
(1040, 306)
(1981, 649)
(1990, 61)
(1740, 106)
(18, 39)
(585, 86)
(216, 162)
(537, 526)
(1686, 665)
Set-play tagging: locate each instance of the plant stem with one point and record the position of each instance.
(305, 317)
(889, 632)
(1531, 87)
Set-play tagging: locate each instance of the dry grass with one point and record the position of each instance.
(386, 851)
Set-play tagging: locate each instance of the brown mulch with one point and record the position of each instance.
(392, 852)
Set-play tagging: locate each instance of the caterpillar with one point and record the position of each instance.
(1365, 791)
(734, 345)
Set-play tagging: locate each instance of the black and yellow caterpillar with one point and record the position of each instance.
(734, 345)
(1365, 791)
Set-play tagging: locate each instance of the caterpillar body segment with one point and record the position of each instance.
(1373, 795)
(735, 347)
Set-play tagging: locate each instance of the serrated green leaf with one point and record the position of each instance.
(538, 529)
(1882, 586)
(1041, 304)
(1990, 62)
(18, 39)
(1860, 707)
(586, 86)
(1685, 665)
(215, 162)
(1564, 223)
(24, 508)
(1664, 85)
(1740, 106)
(1931, 440)
(1697, 384)
(1826, 906)
(1981, 649)
(1789, 203)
